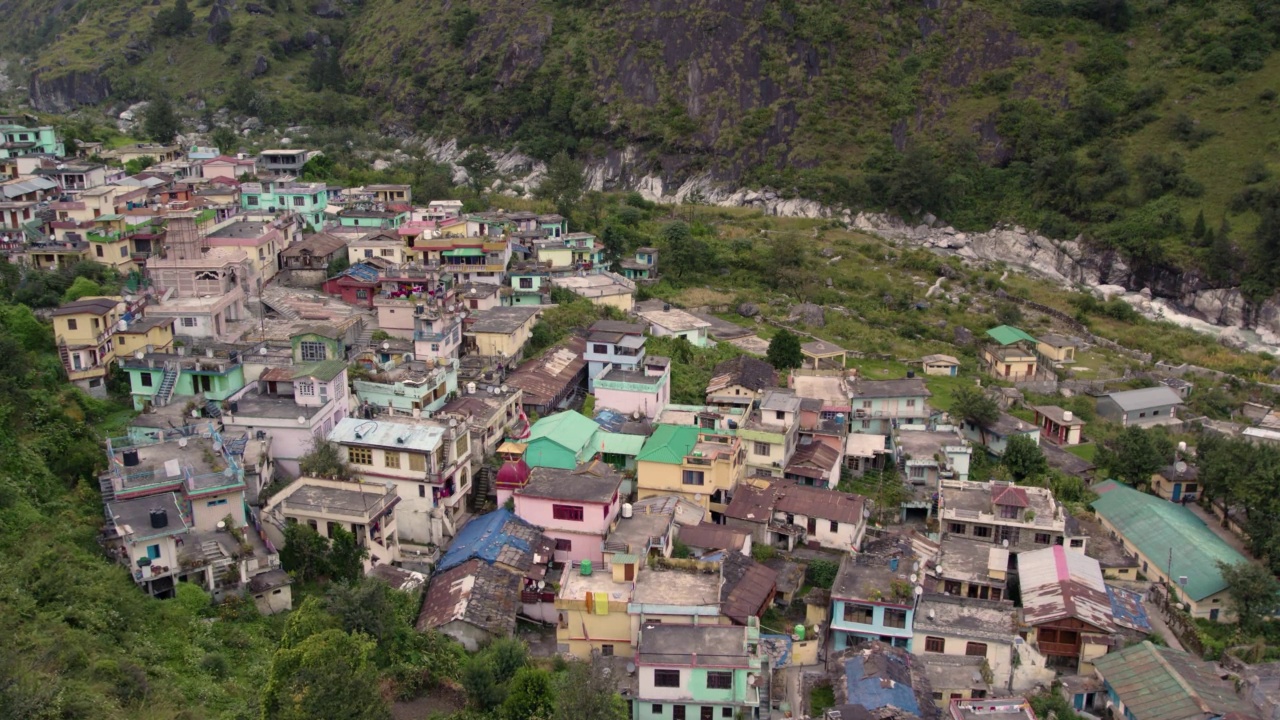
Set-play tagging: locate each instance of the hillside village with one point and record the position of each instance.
(812, 536)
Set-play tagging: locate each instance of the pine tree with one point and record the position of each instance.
(160, 123)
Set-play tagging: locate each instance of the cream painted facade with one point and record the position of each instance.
(720, 460)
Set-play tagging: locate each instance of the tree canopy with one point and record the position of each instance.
(1024, 459)
(1253, 590)
(326, 675)
(784, 351)
(1136, 453)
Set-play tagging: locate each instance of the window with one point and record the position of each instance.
(975, 649)
(368, 253)
(1077, 542)
(417, 462)
(657, 709)
(1142, 414)
(677, 712)
(606, 650)
(918, 471)
(312, 351)
(299, 201)
(951, 587)
(911, 403)
(1009, 512)
(564, 545)
(360, 456)
(250, 199)
(726, 712)
(1155, 413)
(306, 387)
(895, 618)
(216, 503)
(977, 694)
(422, 489)
(391, 460)
(835, 526)
(362, 294)
(145, 379)
(861, 614)
(997, 594)
(762, 448)
(779, 415)
(1189, 487)
(692, 477)
(666, 678)
(600, 349)
(526, 283)
(188, 322)
(956, 528)
(719, 680)
(124, 252)
(572, 513)
(98, 249)
(935, 644)
(980, 531)
(1043, 539)
(866, 424)
(866, 404)
(153, 552)
(386, 253)
(71, 324)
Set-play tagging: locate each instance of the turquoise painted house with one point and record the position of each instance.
(564, 440)
(372, 219)
(528, 284)
(873, 597)
(158, 378)
(18, 139)
(308, 200)
(698, 671)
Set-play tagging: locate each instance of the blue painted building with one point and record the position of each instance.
(873, 597)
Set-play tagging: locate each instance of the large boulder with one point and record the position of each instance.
(808, 314)
(747, 309)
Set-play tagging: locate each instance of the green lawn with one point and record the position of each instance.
(1084, 451)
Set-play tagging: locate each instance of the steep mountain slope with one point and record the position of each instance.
(1123, 120)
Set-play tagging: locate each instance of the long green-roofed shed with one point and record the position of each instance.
(1160, 683)
(1155, 526)
(1008, 335)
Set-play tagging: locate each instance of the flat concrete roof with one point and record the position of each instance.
(685, 588)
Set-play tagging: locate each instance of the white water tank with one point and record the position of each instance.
(471, 388)
(627, 510)
(1067, 416)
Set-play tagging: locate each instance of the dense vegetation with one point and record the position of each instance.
(1147, 125)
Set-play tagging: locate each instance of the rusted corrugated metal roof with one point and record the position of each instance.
(1058, 584)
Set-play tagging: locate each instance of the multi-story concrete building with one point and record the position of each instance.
(610, 342)
(366, 510)
(83, 332)
(697, 671)
(770, 433)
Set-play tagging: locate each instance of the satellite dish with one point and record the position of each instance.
(1004, 543)
(1180, 466)
(631, 668)
(919, 590)
(182, 442)
(914, 577)
(262, 350)
(140, 354)
(302, 419)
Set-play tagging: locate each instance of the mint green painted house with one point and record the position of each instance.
(158, 378)
(697, 671)
(17, 140)
(564, 440)
(528, 285)
(372, 219)
(317, 344)
(410, 387)
(308, 200)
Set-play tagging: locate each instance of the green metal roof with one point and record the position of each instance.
(1159, 683)
(1008, 335)
(669, 444)
(619, 444)
(324, 371)
(570, 430)
(1154, 526)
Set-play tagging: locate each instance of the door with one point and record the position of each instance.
(677, 712)
(812, 525)
(708, 713)
(1213, 614)
(1177, 492)
(628, 572)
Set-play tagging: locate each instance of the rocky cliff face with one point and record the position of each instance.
(63, 93)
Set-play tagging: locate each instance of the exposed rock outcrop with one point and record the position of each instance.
(63, 93)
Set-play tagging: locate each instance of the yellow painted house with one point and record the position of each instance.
(592, 609)
(697, 465)
(146, 335)
(501, 331)
(83, 331)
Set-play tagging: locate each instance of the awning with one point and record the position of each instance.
(464, 252)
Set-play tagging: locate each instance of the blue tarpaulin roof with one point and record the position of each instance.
(610, 420)
(778, 648)
(487, 537)
(884, 681)
(362, 272)
(1127, 608)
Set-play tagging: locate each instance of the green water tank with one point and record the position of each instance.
(799, 632)
(586, 567)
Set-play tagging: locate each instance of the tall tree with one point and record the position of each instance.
(1254, 592)
(1136, 453)
(682, 253)
(585, 691)
(971, 405)
(479, 167)
(1024, 459)
(159, 121)
(563, 184)
(346, 556)
(327, 675)
(530, 695)
(305, 552)
(784, 351)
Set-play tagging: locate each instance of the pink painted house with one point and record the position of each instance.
(645, 389)
(225, 166)
(291, 406)
(576, 507)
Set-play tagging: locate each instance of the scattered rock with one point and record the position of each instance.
(827, 252)
(747, 309)
(1232, 338)
(1145, 293)
(328, 9)
(808, 314)
(963, 335)
(260, 67)
(379, 165)
(1106, 292)
(256, 9)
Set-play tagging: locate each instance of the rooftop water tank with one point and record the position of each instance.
(586, 568)
(130, 457)
(1067, 416)
(627, 510)
(799, 632)
(159, 518)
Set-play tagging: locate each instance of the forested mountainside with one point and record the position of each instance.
(1149, 126)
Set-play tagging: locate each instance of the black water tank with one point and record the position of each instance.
(233, 406)
(911, 373)
(130, 456)
(159, 518)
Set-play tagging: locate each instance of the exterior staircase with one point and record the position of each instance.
(275, 299)
(65, 354)
(108, 491)
(164, 393)
(481, 487)
(213, 409)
